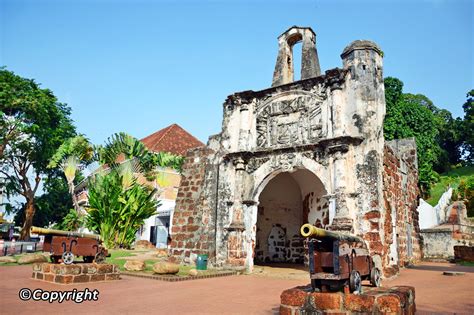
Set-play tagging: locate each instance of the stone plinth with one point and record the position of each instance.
(464, 253)
(395, 300)
(75, 273)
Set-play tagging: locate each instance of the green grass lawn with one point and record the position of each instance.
(451, 178)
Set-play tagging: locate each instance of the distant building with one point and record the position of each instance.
(172, 139)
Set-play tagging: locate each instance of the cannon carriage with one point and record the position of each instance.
(337, 260)
(65, 246)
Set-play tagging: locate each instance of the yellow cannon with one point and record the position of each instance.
(337, 260)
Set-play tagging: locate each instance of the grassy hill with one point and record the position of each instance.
(450, 178)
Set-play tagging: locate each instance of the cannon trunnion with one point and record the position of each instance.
(337, 260)
(65, 246)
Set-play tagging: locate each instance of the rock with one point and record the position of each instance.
(7, 259)
(134, 265)
(32, 258)
(193, 272)
(165, 268)
(161, 253)
(144, 244)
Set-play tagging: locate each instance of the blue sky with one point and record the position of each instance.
(138, 66)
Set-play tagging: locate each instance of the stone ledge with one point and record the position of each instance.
(394, 300)
(177, 278)
(75, 273)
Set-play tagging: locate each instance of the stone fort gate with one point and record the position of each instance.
(301, 151)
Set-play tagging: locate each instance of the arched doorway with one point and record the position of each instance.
(287, 201)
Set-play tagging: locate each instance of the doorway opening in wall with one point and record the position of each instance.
(287, 201)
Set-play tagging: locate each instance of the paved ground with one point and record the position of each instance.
(256, 294)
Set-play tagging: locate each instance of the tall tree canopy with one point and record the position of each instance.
(437, 134)
(468, 127)
(33, 124)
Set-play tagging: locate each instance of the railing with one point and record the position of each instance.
(14, 248)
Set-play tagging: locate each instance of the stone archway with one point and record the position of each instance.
(288, 200)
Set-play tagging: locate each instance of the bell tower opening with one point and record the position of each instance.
(288, 200)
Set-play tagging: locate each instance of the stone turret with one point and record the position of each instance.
(284, 68)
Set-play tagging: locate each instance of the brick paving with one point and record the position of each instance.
(435, 293)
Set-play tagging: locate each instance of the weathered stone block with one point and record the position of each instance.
(359, 303)
(326, 301)
(293, 297)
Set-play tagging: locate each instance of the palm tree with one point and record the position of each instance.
(71, 157)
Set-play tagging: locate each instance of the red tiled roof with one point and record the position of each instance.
(172, 139)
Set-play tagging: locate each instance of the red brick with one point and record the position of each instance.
(113, 276)
(39, 276)
(49, 277)
(97, 278)
(359, 303)
(64, 279)
(372, 215)
(388, 303)
(327, 301)
(104, 269)
(293, 297)
(46, 268)
(81, 278)
(285, 310)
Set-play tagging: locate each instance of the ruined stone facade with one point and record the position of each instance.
(301, 151)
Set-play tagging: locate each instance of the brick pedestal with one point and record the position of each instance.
(395, 300)
(75, 273)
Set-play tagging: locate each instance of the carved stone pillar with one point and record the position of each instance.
(244, 126)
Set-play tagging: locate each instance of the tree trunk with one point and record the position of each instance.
(29, 213)
(74, 199)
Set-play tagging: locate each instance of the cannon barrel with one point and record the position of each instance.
(308, 230)
(41, 231)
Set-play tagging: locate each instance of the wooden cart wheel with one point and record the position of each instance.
(99, 258)
(68, 258)
(375, 277)
(355, 282)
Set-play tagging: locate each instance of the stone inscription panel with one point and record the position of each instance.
(290, 119)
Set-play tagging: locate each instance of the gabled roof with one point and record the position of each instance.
(172, 139)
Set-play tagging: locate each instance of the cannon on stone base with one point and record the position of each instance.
(337, 260)
(65, 246)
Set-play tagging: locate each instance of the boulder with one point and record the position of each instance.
(7, 259)
(163, 268)
(193, 272)
(134, 265)
(161, 252)
(144, 244)
(32, 258)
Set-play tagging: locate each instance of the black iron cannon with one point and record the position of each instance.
(65, 246)
(337, 260)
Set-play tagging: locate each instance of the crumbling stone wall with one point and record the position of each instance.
(401, 194)
(193, 231)
(326, 132)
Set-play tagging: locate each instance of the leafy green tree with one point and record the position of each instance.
(33, 124)
(72, 156)
(52, 206)
(118, 205)
(468, 127)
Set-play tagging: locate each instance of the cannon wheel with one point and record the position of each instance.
(99, 258)
(355, 281)
(375, 277)
(68, 258)
(88, 259)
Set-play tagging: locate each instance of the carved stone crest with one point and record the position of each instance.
(290, 119)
